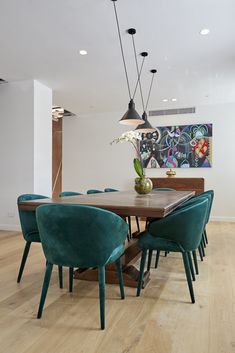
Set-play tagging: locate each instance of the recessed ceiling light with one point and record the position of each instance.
(174, 99)
(165, 100)
(204, 31)
(83, 52)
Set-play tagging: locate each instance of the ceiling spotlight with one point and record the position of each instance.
(174, 99)
(204, 31)
(83, 52)
(165, 100)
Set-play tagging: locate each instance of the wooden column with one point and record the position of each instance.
(57, 129)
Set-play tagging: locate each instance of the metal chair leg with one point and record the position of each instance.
(23, 261)
(102, 296)
(157, 258)
(46, 283)
(149, 259)
(60, 271)
(191, 266)
(70, 279)
(188, 276)
(195, 261)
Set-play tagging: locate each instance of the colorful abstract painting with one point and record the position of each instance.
(182, 146)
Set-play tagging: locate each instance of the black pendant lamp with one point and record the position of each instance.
(131, 117)
(147, 127)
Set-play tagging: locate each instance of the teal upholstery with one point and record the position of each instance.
(69, 193)
(210, 196)
(65, 194)
(178, 232)
(84, 237)
(94, 191)
(30, 232)
(110, 190)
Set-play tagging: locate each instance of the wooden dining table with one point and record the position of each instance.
(156, 204)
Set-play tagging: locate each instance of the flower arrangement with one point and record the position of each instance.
(133, 137)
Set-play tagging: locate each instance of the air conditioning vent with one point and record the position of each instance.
(176, 111)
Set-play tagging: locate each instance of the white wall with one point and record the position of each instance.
(90, 162)
(22, 149)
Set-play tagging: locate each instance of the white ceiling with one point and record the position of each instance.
(41, 40)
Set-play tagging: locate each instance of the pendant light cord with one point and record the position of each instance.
(123, 58)
(136, 86)
(138, 71)
(150, 89)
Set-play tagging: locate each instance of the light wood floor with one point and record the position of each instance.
(162, 320)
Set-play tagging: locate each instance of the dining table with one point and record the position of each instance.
(156, 204)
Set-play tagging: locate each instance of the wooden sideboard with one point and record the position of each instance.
(180, 184)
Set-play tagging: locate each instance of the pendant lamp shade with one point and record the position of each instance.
(146, 126)
(131, 117)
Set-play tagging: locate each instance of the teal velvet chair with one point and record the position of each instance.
(93, 191)
(84, 237)
(210, 196)
(129, 218)
(69, 193)
(181, 232)
(30, 232)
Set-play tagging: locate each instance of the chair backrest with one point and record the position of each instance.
(163, 189)
(110, 190)
(94, 191)
(79, 236)
(207, 194)
(28, 218)
(183, 226)
(69, 193)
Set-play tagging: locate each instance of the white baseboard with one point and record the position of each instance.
(13, 227)
(222, 219)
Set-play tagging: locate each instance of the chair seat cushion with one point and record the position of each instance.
(147, 241)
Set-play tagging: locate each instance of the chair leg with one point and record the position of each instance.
(129, 224)
(137, 223)
(157, 258)
(203, 250)
(146, 223)
(60, 271)
(188, 276)
(102, 296)
(141, 273)
(120, 278)
(191, 266)
(70, 279)
(166, 252)
(200, 252)
(46, 283)
(23, 261)
(203, 240)
(205, 236)
(195, 261)
(149, 259)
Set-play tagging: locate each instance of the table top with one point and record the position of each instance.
(124, 203)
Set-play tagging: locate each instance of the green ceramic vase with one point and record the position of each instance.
(143, 185)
